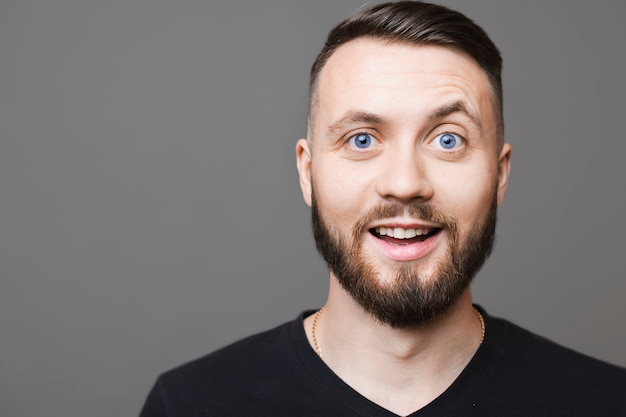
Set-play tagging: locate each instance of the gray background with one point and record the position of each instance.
(150, 210)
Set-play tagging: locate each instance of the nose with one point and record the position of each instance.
(404, 176)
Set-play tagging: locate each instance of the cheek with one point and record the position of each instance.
(341, 193)
(467, 193)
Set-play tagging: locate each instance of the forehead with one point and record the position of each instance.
(399, 80)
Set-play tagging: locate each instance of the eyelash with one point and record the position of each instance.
(351, 141)
(352, 145)
(455, 136)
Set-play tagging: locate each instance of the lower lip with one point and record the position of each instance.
(405, 253)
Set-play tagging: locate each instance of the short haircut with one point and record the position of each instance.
(421, 24)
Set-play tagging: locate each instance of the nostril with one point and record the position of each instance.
(405, 181)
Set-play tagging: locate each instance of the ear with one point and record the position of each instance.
(303, 161)
(504, 167)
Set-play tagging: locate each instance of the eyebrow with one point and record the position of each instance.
(355, 117)
(456, 107)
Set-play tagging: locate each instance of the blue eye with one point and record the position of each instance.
(448, 141)
(362, 140)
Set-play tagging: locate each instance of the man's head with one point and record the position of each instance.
(420, 24)
(405, 165)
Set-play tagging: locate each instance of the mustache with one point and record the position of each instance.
(426, 212)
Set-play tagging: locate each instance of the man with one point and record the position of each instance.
(404, 167)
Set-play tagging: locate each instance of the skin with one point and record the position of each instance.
(403, 89)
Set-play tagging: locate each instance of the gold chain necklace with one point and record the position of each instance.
(316, 345)
(317, 315)
(482, 325)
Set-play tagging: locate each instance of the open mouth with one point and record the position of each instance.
(400, 236)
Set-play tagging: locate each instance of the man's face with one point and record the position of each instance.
(404, 175)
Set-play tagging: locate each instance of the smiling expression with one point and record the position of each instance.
(404, 167)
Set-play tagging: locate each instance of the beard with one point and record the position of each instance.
(408, 298)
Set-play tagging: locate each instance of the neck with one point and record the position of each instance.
(399, 369)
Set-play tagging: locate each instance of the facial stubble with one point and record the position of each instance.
(408, 298)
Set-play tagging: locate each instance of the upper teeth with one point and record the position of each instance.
(400, 233)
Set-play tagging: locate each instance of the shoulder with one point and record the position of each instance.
(530, 347)
(251, 353)
(244, 369)
(534, 366)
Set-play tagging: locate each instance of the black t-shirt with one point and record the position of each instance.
(277, 373)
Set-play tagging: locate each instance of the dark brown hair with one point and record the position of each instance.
(418, 23)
